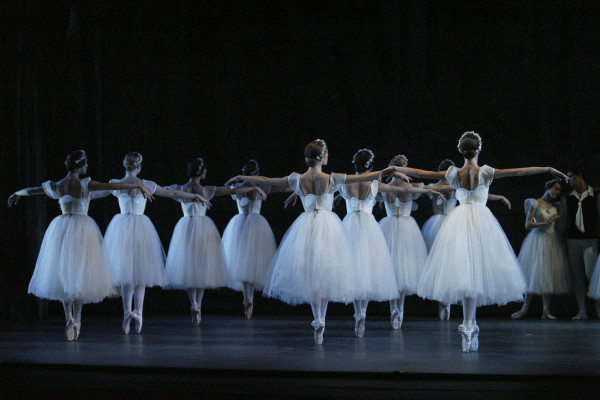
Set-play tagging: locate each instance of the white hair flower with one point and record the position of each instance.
(369, 161)
(474, 134)
(323, 148)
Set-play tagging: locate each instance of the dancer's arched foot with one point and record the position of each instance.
(127, 317)
(470, 337)
(248, 308)
(319, 329)
(196, 315)
(546, 315)
(521, 313)
(359, 327)
(581, 315)
(396, 319)
(137, 317)
(70, 330)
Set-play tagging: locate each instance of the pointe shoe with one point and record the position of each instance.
(580, 316)
(546, 315)
(470, 341)
(521, 313)
(359, 327)
(248, 308)
(70, 330)
(137, 317)
(76, 329)
(196, 316)
(319, 329)
(395, 320)
(127, 317)
(444, 313)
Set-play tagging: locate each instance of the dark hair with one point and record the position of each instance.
(132, 160)
(577, 170)
(444, 165)
(251, 168)
(468, 145)
(399, 161)
(312, 152)
(75, 159)
(362, 160)
(195, 167)
(551, 183)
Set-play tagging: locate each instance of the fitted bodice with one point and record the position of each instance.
(70, 205)
(132, 204)
(399, 208)
(541, 214)
(248, 206)
(478, 196)
(354, 205)
(193, 209)
(313, 202)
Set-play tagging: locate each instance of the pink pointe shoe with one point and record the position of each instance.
(470, 337)
(248, 308)
(70, 330)
(319, 330)
(359, 327)
(137, 317)
(196, 316)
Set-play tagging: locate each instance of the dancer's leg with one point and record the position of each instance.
(248, 289)
(70, 329)
(138, 298)
(360, 312)
(523, 311)
(575, 251)
(77, 307)
(193, 295)
(469, 329)
(127, 297)
(546, 298)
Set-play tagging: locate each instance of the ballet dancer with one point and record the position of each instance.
(71, 266)
(371, 257)
(542, 257)
(471, 259)
(196, 259)
(249, 242)
(312, 261)
(136, 254)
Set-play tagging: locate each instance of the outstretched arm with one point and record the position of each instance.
(102, 186)
(497, 197)
(259, 180)
(225, 191)
(374, 175)
(414, 172)
(384, 187)
(179, 194)
(31, 191)
(502, 173)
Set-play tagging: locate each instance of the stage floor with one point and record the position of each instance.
(270, 357)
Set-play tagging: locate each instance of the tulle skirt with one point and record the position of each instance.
(249, 246)
(313, 262)
(135, 252)
(544, 263)
(196, 258)
(472, 257)
(431, 227)
(594, 289)
(72, 262)
(371, 257)
(408, 250)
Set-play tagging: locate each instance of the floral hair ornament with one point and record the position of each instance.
(323, 148)
(200, 166)
(135, 164)
(473, 134)
(402, 156)
(83, 156)
(369, 161)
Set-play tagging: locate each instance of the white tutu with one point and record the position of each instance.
(249, 244)
(405, 243)
(371, 258)
(432, 226)
(543, 257)
(471, 255)
(594, 289)
(196, 258)
(313, 260)
(135, 252)
(71, 264)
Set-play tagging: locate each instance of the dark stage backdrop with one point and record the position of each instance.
(233, 80)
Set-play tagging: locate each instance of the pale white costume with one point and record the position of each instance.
(542, 256)
(249, 243)
(72, 261)
(471, 256)
(314, 258)
(371, 258)
(196, 257)
(405, 243)
(135, 252)
(441, 210)
(594, 289)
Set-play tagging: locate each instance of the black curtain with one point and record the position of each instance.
(232, 80)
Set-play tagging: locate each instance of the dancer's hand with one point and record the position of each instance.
(437, 195)
(403, 177)
(13, 199)
(146, 192)
(290, 200)
(505, 201)
(559, 175)
(234, 180)
(261, 192)
(203, 201)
